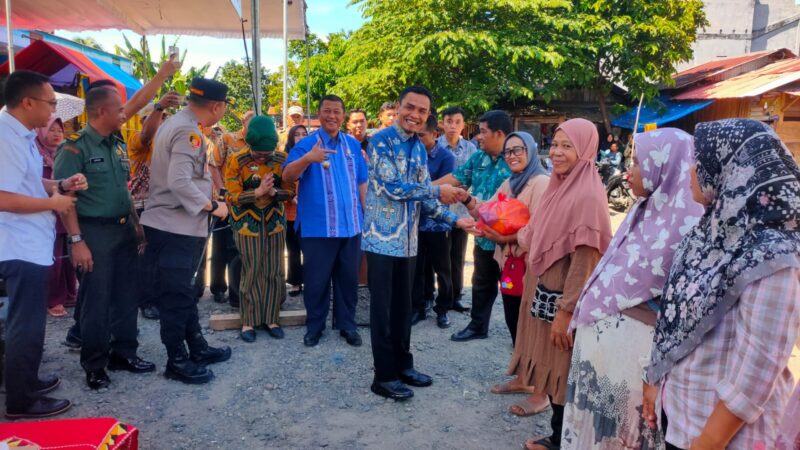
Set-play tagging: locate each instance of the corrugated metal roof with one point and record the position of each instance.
(751, 84)
(721, 69)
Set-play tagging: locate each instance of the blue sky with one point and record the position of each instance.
(324, 17)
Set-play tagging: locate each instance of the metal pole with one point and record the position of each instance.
(285, 63)
(10, 37)
(255, 12)
(308, 82)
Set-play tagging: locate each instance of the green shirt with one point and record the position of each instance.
(484, 176)
(104, 162)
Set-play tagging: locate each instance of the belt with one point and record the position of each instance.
(106, 220)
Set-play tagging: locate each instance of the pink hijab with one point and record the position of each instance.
(48, 152)
(574, 209)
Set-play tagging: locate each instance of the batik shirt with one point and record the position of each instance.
(250, 215)
(484, 176)
(399, 187)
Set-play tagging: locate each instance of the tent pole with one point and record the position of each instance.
(285, 63)
(10, 36)
(255, 13)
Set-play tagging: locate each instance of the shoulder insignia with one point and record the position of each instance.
(195, 140)
(74, 137)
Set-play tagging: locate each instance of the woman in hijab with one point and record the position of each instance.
(294, 274)
(616, 315)
(566, 237)
(63, 281)
(730, 312)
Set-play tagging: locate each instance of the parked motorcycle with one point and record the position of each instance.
(619, 194)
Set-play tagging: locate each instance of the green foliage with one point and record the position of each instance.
(89, 42)
(323, 67)
(237, 76)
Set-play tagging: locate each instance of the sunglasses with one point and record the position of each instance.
(517, 151)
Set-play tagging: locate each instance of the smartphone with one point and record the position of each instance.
(174, 50)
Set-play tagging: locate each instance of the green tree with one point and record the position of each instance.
(323, 66)
(236, 75)
(89, 42)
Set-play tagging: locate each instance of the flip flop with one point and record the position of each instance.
(527, 408)
(505, 388)
(546, 443)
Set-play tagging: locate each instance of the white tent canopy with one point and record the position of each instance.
(214, 18)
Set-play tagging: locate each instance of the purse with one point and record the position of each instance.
(512, 275)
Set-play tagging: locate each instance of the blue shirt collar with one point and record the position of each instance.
(401, 133)
(16, 125)
(327, 140)
(444, 143)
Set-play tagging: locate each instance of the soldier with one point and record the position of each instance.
(176, 225)
(103, 233)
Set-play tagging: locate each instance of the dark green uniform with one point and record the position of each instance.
(107, 312)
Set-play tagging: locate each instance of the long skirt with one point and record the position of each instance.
(262, 286)
(63, 281)
(604, 387)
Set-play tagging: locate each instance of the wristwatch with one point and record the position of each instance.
(61, 189)
(467, 201)
(75, 238)
(158, 107)
(214, 206)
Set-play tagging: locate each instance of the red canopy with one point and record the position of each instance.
(48, 58)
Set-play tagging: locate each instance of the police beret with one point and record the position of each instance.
(261, 134)
(209, 90)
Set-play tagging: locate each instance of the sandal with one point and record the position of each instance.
(506, 388)
(527, 408)
(531, 444)
(57, 311)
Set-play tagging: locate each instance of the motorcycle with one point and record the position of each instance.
(618, 190)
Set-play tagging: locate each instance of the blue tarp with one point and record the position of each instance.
(661, 111)
(131, 84)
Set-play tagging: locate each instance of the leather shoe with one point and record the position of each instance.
(47, 384)
(97, 379)
(132, 365)
(248, 335)
(311, 339)
(467, 334)
(150, 312)
(276, 332)
(417, 316)
(459, 307)
(414, 378)
(41, 407)
(211, 355)
(442, 321)
(187, 371)
(392, 389)
(219, 297)
(73, 339)
(352, 337)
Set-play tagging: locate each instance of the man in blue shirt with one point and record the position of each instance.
(399, 187)
(333, 182)
(462, 149)
(434, 239)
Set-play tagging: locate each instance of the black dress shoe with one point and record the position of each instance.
(276, 332)
(41, 407)
(392, 389)
(467, 334)
(47, 384)
(458, 307)
(233, 303)
(311, 339)
(417, 316)
(296, 292)
(73, 339)
(352, 337)
(211, 355)
(248, 335)
(97, 379)
(413, 378)
(132, 365)
(219, 297)
(442, 321)
(187, 371)
(150, 312)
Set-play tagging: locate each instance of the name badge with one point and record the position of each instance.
(96, 160)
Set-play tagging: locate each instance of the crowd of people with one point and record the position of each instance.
(674, 332)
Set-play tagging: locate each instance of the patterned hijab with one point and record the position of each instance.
(518, 181)
(749, 231)
(574, 208)
(633, 270)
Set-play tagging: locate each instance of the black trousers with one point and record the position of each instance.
(428, 280)
(177, 257)
(511, 309)
(433, 249)
(556, 422)
(458, 256)
(108, 295)
(26, 285)
(145, 272)
(294, 274)
(390, 281)
(331, 260)
(225, 257)
(485, 285)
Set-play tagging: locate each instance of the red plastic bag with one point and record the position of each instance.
(504, 215)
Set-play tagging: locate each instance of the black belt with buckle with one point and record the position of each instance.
(106, 220)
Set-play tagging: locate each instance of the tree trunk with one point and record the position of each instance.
(601, 100)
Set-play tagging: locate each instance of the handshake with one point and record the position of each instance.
(449, 194)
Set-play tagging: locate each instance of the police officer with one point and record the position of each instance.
(176, 224)
(103, 233)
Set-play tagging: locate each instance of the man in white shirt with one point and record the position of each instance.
(27, 234)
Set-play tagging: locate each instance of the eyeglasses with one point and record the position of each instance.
(517, 150)
(52, 103)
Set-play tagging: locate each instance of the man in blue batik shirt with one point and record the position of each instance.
(399, 188)
(434, 240)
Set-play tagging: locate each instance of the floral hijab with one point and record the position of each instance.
(633, 269)
(749, 231)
